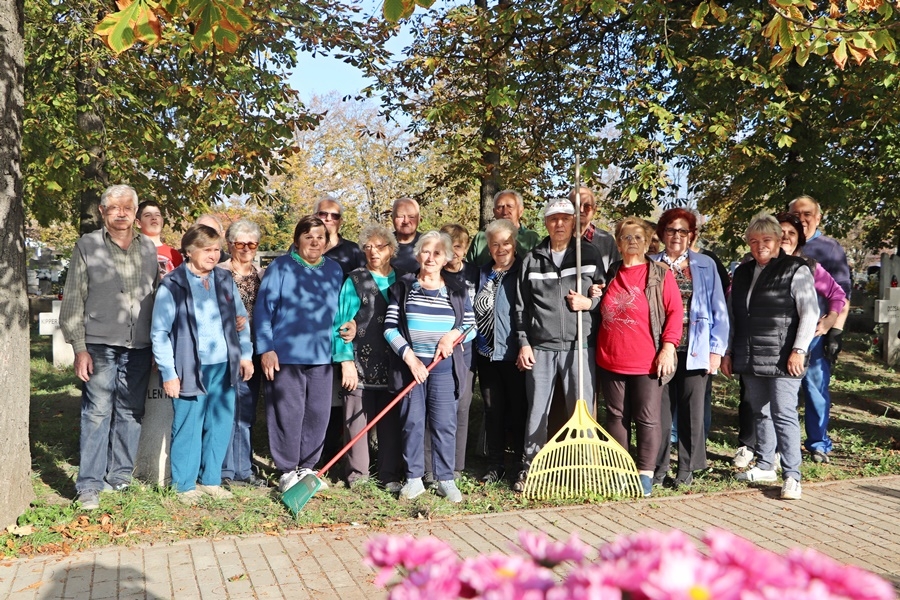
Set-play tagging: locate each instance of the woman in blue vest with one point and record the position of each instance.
(294, 319)
(426, 315)
(201, 358)
(774, 314)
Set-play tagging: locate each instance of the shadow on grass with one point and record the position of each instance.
(54, 433)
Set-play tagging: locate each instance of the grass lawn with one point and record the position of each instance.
(865, 428)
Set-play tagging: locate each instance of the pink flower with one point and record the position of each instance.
(632, 557)
(548, 553)
(843, 581)
(389, 552)
(762, 568)
(587, 582)
(499, 576)
(691, 576)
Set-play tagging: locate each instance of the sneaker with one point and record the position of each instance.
(251, 481)
(791, 489)
(684, 480)
(413, 488)
(743, 457)
(216, 491)
(115, 487)
(89, 499)
(757, 475)
(304, 472)
(659, 479)
(287, 481)
(448, 490)
(820, 457)
(190, 498)
(646, 485)
(393, 487)
(493, 475)
(519, 483)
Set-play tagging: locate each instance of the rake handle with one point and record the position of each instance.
(386, 409)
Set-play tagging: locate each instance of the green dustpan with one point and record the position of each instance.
(296, 497)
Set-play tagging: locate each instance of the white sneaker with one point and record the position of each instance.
(743, 457)
(287, 481)
(448, 490)
(757, 475)
(791, 489)
(304, 472)
(191, 497)
(413, 489)
(215, 491)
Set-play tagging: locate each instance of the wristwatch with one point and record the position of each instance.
(799, 351)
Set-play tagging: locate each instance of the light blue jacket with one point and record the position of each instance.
(709, 326)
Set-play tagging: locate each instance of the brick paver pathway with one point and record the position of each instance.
(856, 521)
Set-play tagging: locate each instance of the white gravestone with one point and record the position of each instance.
(152, 462)
(887, 309)
(48, 324)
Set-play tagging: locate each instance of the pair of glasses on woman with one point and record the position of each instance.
(242, 245)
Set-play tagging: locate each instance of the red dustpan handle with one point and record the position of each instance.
(387, 408)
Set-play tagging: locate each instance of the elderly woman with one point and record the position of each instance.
(427, 313)
(364, 361)
(832, 299)
(294, 320)
(497, 348)
(640, 328)
(774, 314)
(202, 358)
(704, 339)
(242, 238)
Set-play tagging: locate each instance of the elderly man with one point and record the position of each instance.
(150, 221)
(824, 350)
(405, 215)
(599, 238)
(546, 313)
(106, 310)
(345, 252)
(508, 204)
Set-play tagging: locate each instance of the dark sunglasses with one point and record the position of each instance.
(324, 215)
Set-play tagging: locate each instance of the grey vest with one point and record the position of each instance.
(371, 350)
(110, 316)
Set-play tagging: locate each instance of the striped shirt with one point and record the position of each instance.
(429, 315)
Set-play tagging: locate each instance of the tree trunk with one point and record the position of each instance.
(91, 125)
(490, 139)
(15, 381)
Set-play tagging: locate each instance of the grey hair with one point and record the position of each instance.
(500, 226)
(763, 222)
(378, 232)
(805, 197)
(214, 219)
(327, 198)
(399, 201)
(513, 193)
(432, 236)
(242, 227)
(119, 191)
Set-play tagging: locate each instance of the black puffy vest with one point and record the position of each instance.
(764, 332)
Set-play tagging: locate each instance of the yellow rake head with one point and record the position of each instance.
(581, 460)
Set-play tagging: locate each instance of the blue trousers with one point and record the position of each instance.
(298, 407)
(201, 431)
(818, 399)
(434, 400)
(112, 406)
(239, 452)
(777, 424)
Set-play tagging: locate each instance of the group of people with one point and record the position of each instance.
(336, 323)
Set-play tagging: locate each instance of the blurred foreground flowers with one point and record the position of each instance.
(648, 565)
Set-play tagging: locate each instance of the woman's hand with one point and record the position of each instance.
(246, 370)
(240, 322)
(349, 376)
(826, 323)
(347, 331)
(172, 388)
(525, 360)
(665, 360)
(725, 367)
(714, 361)
(270, 364)
(445, 345)
(419, 372)
(795, 364)
(596, 290)
(578, 302)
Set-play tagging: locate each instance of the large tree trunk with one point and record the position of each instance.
(92, 127)
(490, 138)
(15, 381)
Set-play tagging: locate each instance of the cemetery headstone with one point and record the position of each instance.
(887, 308)
(152, 462)
(48, 324)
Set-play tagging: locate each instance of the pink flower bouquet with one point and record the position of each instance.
(648, 565)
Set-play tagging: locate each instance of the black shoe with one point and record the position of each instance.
(684, 480)
(820, 457)
(251, 481)
(519, 483)
(659, 479)
(493, 475)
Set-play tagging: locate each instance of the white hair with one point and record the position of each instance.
(432, 236)
(119, 191)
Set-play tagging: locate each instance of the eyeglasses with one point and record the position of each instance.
(370, 247)
(632, 238)
(672, 231)
(325, 215)
(586, 207)
(803, 214)
(242, 245)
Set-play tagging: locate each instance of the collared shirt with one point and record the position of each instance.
(128, 267)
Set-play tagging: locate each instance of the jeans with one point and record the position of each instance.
(112, 406)
(434, 400)
(774, 404)
(818, 399)
(239, 453)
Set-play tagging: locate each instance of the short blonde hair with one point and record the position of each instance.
(432, 236)
(379, 232)
(632, 221)
(763, 222)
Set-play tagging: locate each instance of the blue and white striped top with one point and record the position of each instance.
(429, 315)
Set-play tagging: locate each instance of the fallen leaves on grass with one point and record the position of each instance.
(20, 531)
(240, 577)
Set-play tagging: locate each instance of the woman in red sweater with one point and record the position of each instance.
(641, 314)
